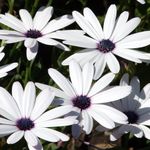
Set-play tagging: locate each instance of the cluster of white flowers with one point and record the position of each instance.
(79, 100)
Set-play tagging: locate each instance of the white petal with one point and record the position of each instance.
(32, 52)
(114, 114)
(111, 94)
(57, 122)
(15, 137)
(11, 23)
(76, 76)
(121, 22)
(45, 134)
(87, 54)
(62, 82)
(2, 56)
(112, 63)
(6, 68)
(30, 42)
(99, 66)
(43, 101)
(87, 76)
(7, 129)
(11, 33)
(141, 1)
(31, 138)
(109, 21)
(17, 93)
(7, 122)
(8, 103)
(26, 18)
(101, 84)
(124, 80)
(122, 53)
(38, 21)
(146, 131)
(85, 42)
(101, 119)
(87, 122)
(126, 29)
(48, 41)
(136, 40)
(66, 34)
(90, 16)
(85, 25)
(58, 92)
(54, 113)
(28, 99)
(58, 23)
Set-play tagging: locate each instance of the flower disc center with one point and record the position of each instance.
(132, 116)
(105, 46)
(33, 34)
(25, 124)
(82, 102)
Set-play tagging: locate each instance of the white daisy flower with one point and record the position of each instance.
(5, 68)
(23, 115)
(103, 44)
(88, 100)
(141, 1)
(32, 31)
(136, 107)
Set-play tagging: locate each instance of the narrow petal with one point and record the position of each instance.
(85, 25)
(122, 53)
(124, 80)
(17, 93)
(7, 68)
(109, 21)
(62, 82)
(76, 77)
(87, 122)
(99, 66)
(136, 40)
(26, 18)
(58, 23)
(101, 84)
(30, 42)
(15, 137)
(58, 92)
(43, 101)
(45, 134)
(57, 122)
(101, 119)
(49, 41)
(40, 14)
(121, 22)
(112, 63)
(146, 131)
(7, 122)
(32, 52)
(8, 103)
(114, 114)
(28, 99)
(54, 113)
(87, 76)
(7, 129)
(126, 29)
(90, 16)
(111, 94)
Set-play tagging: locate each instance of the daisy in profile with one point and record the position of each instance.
(23, 115)
(5, 68)
(88, 101)
(32, 31)
(136, 107)
(102, 45)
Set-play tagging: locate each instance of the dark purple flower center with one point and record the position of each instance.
(82, 102)
(25, 124)
(132, 116)
(33, 34)
(105, 46)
